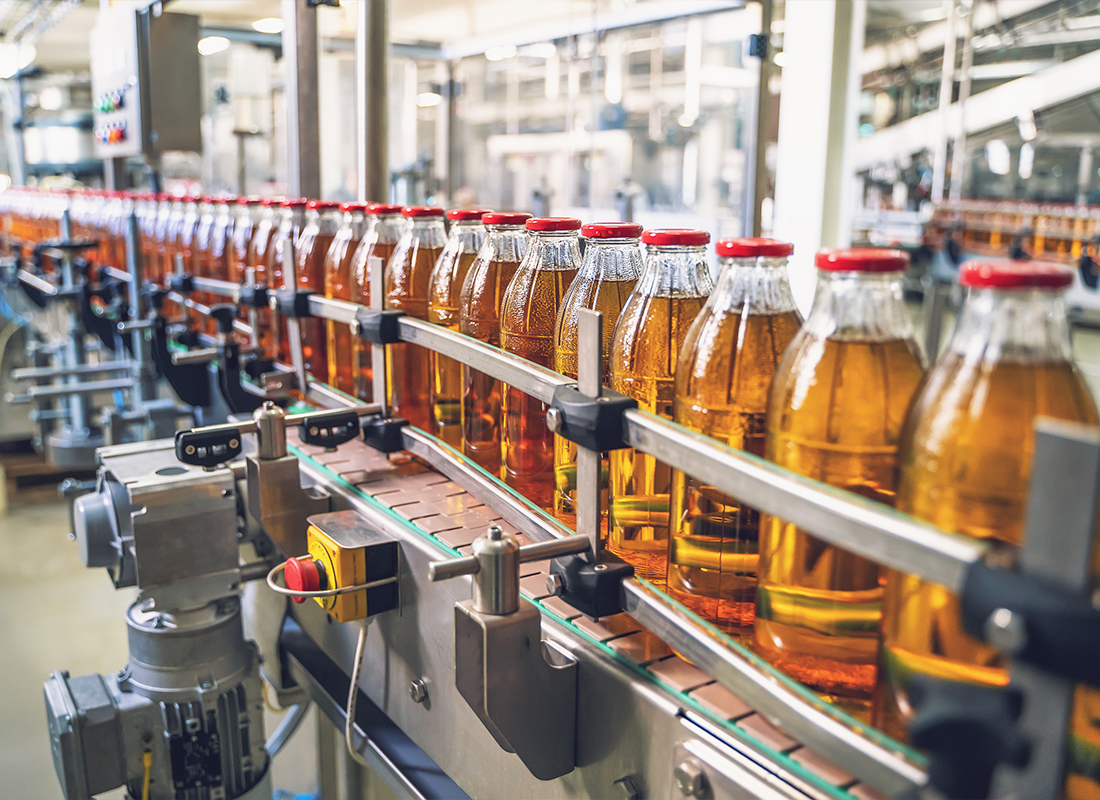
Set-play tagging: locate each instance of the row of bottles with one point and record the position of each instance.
(1057, 231)
(843, 397)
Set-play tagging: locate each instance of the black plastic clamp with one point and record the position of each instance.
(384, 433)
(154, 295)
(592, 589)
(329, 429)
(223, 315)
(293, 303)
(254, 295)
(967, 730)
(379, 326)
(181, 284)
(207, 449)
(1059, 631)
(1090, 272)
(593, 423)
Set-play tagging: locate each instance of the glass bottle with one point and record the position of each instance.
(674, 284)
(479, 316)
(835, 412)
(189, 224)
(964, 462)
(444, 292)
(147, 223)
(384, 228)
(408, 369)
(338, 285)
(245, 222)
(259, 253)
(608, 274)
(322, 221)
(528, 315)
(725, 367)
(291, 221)
(162, 240)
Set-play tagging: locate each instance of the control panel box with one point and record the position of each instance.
(146, 82)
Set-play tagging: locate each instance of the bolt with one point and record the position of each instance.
(690, 778)
(1006, 631)
(190, 449)
(599, 567)
(234, 444)
(555, 585)
(353, 328)
(496, 533)
(418, 690)
(554, 420)
(313, 431)
(206, 684)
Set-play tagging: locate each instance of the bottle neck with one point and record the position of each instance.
(859, 306)
(554, 251)
(427, 232)
(611, 260)
(752, 286)
(1020, 326)
(506, 243)
(675, 272)
(355, 223)
(384, 228)
(467, 235)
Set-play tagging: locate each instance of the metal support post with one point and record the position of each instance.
(589, 462)
(378, 353)
(144, 388)
(303, 138)
(756, 166)
(958, 154)
(947, 85)
(293, 327)
(372, 59)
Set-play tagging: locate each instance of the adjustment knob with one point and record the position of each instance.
(305, 576)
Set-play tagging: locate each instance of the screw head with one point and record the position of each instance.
(1006, 631)
(555, 585)
(234, 444)
(554, 420)
(418, 690)
(495, 533)
(690, 778)
(190, 449)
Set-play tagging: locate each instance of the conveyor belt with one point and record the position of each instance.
(444, 512)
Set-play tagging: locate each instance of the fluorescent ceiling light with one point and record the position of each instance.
(428, 99)
(501, 53)
(1027, 160)
(269, 25)
(539, 50)
(780, 59)
(51, 99)
(1026, 123)
(213, 44)
(998, 157)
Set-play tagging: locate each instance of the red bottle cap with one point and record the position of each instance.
(206, 198)
(323, 205)
(611, 230)
(504, 218)
(272, 201)
(1002, 273)
(250, 200)
(382, 208)
(753, 248)
(676, 236)
(294, 202)
(421, 211)
(302, 576)
(466, 214)
(355, 205)
(553, 224)
(225, 199)
(861, 259)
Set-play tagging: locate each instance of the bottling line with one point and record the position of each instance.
(465, 640)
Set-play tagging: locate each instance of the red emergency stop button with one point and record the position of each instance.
(304, 576)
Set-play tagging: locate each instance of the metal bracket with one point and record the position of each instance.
(378, 326)
(523, 690)
(293, 303)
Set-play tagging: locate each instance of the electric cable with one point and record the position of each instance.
(353, 696)
(324, 592)
(147, 765)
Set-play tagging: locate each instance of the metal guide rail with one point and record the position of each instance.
(866, 528)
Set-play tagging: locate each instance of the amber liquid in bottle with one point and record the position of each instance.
(311, 277)
(443, 309)
(837, 420)
(643, 367)
(369, 256)
(724, 372)
(408, 368)
(609, 299)
(259, 254)
(338, 286)
(528, 315)
(967, 472)
(482, 395)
